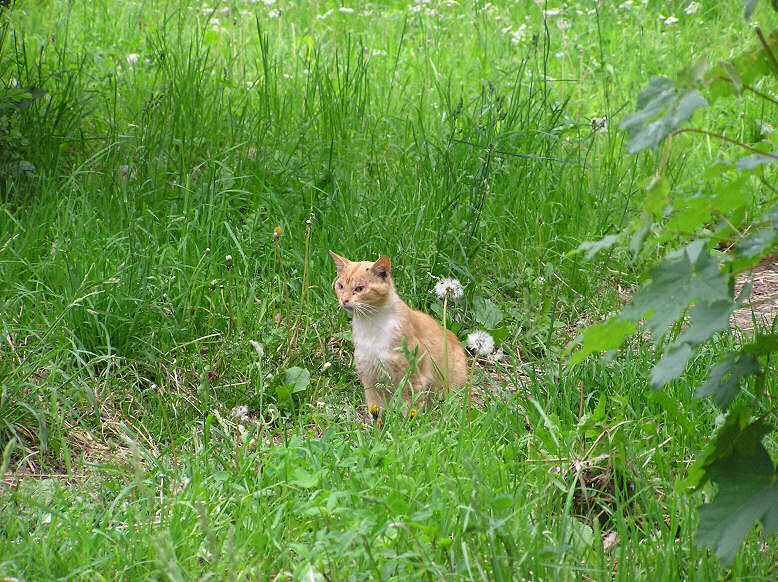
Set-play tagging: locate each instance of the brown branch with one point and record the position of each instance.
(767, 48)
(760, 94)
(749, 88)
(723, 138)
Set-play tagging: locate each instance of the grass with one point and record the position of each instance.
(458, 140)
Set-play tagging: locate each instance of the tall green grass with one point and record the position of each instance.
(172, 135)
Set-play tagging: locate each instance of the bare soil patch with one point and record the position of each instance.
(762, 305)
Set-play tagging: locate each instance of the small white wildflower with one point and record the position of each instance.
(692, 8)
(496, 356)
(268, 2)
(542, 280)
(240, 412)
(480, 342)
(345, 10)
(518, 35)
(274, 13)
(671, 19)
(133, 58)
(326, 366)
(450, 287)
(321, 404)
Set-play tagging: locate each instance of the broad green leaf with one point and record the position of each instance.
(591, 248)
(304, 479)
(756, 62)
(637, 240)
(748, 7)
(602, 337)
(695, 214)
(758, 243)
(486, 313)
(733, 75)
(721, 445)
(724, 380)
(298, 378)
(755, 160)
(688, 275)
(671, 366)
(706, 320)
(731, 195)
(661, 110)
(657, 188)
(747, 493)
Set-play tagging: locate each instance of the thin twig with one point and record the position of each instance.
(723, 138)
(766, 47)
(729, 224)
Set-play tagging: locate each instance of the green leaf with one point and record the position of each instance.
(748, 7)
(755, 160)
(661, 109)
(591, 248)
(747, 493)
(721, 445)
(637, 240)
(695, 213)
(707, 319)
(304, 479)
(657, 188)
(486, 313)
(298, 379)
(758, 243)
(690, 274)
(602, 337)
(671, 366)
(724, 380)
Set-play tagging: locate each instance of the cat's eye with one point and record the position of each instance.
(358, 289)
(340, 286)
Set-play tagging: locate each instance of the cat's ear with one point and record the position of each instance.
(340, 262)
(382, 267)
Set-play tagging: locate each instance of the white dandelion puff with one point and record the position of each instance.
(480, 342)
(449, 287)
(240, 412)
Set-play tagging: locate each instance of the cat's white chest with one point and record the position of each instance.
(374, 336)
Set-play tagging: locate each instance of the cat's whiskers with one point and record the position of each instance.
(364, 309)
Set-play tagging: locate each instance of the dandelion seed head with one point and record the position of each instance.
(449, 287)
(480, 342)
(240, 412)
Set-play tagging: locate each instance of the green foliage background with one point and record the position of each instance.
(143, 143)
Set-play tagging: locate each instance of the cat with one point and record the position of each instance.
(381, 323)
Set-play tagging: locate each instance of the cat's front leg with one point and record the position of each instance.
(375, 399)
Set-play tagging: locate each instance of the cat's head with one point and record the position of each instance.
(363, 286)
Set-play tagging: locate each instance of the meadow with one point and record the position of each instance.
(177, 393)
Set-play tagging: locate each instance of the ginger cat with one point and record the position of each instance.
(381, 321)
